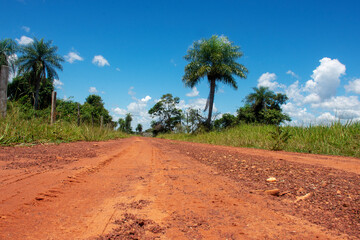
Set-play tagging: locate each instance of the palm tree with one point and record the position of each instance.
(215, 58)
(40, 58)
(7, 48)
(260, 99)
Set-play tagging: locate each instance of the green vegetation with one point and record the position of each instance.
(334, 139)
(21, 127)
(214, 58)
(166, 113)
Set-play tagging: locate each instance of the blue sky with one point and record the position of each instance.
(131, 52)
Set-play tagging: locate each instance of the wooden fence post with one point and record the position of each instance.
(4, 75)
(53, 108)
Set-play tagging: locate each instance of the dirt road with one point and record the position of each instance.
(143, 188)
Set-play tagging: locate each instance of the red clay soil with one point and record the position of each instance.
(144, 188)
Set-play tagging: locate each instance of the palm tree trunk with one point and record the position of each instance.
(37, 89)
(211, 102)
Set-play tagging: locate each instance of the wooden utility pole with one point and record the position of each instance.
(4, 75)
(78, 115)
(53, 108)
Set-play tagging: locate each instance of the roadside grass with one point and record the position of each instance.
(333, 139)
(18, 129)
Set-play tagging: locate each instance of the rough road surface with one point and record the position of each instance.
(143, 188)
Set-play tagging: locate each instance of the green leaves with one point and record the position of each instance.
(166, 112)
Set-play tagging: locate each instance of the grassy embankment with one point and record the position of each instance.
(17, 129)
(334, 139)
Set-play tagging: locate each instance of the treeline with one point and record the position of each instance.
(263, 106)
(91, 112)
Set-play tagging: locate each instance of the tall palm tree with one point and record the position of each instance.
(214, 58)
(40, 58)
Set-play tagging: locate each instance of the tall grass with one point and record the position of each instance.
(333, 139)
(17, 129)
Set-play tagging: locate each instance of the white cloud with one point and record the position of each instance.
(193, 93)
(353, 86)
(117, 69)
(268, 80)
(72, 57)
(298, 114)
(25, 28)
(325, 80)
(146, 99)
(326, 118)
(198, 103)
(24, 40)
(58, 84)
(339, 102)
(120, 111)
(93, 90)
(100, 61)
(292, 74)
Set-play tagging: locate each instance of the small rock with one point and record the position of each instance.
(274, 192)
(306, 196)
(338, 192)
(271, 179)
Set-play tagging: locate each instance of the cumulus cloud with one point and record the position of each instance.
(100, 61)
(58, 84)
(268, 80)
(193, 93)
(325, 80)
(342, 106)
(119, 111)
(93, 90)
(326, 118)
(24, 40)
(146, 99)
(353, 86)
(25, 28)
(72, 57)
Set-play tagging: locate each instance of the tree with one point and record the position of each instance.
(93, 109)
(139, 128)
(21, 90)
(166, 112)
(263, 106)
(41, 60)
(214, 58)
(193, 119)
(227, 120)
(7, 48)
(122, 127)
(128, 119)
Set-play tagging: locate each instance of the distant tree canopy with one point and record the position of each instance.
(167, 113)
(125, 123)
(93, 109)
(139, 128)
(263, 106)
(227, 120)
